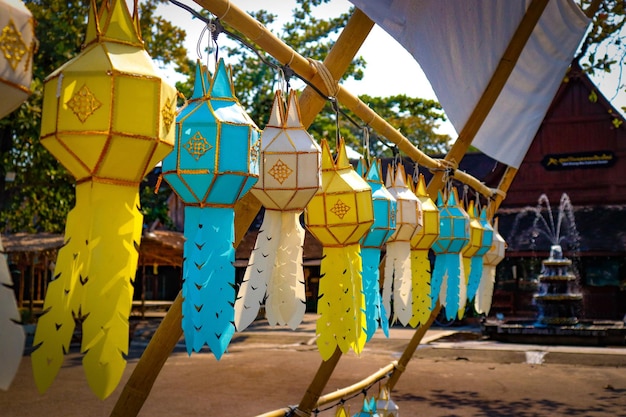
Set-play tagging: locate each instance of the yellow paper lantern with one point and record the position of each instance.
(491, 259)
(108, 117)
(339, 215)
(471, 249)
(17, 47)
(289, 176)
(420, 263)
(398, 282)
(474, 265)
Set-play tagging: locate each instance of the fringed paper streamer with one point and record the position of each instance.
(474, 244)
(383, 227)
(253, 288)
(108, 125)
(286, 302)
(422, 299)
(398, 280)
(209, 279)
(448, 277)
(491, 259)
(398, 272)
(214, 164)
(371, 289)
(475, 265)
(341, 303)
(339, 215)
(12, 337)
(420, 261)
(289, 177)
(93, 285)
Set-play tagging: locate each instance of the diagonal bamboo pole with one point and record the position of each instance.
(486, 102)
(271, 44)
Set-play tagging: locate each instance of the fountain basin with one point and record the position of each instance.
(530, 331)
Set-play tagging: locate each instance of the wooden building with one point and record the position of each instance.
(579, 150)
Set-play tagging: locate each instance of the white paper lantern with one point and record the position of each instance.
(17, 46)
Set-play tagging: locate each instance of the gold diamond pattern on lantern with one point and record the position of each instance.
(340, 209)
(83, 103)
(12, 44)
(17, 46)
(197, 146)
(280, 171)
(169, 114)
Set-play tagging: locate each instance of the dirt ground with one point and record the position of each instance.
(264, 373)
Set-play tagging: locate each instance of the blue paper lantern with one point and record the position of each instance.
(384, 226)
(214, 163)
(448, 278)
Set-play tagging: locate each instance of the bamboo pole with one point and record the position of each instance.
(270, 43)
(492, 91)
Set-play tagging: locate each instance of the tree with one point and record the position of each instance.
(41, 191)
(604, 47)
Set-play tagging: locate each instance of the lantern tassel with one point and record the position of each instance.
(398, 268)
(484, 293)
(13, 338)
(475, 275)
(422, 300)
(209, 280)
(341, 303)
(285, 304)
(452, 278)
(93, 286)
(371, 290)
(255, 280)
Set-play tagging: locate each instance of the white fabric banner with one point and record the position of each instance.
(459, 44)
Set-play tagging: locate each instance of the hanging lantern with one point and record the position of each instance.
(17, 47)
(107, 116)
(420, 264)
(473, 246)
(289, 177)
(481, 236)
(448, 278)
(383, 227)
(398, 280)
(368, 409)
(385, 406)
(215, 162)
(11, 329)
(338, 216)
(491, 259)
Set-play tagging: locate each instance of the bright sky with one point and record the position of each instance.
(390, 68)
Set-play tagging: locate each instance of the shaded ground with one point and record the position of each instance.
(267, 370)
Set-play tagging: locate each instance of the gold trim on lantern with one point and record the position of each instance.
(16, 86)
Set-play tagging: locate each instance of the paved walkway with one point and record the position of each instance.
(453, 373)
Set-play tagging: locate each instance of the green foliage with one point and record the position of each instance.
(604, 47)
(42, 192)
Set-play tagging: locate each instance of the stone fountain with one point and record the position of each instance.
(558, 297)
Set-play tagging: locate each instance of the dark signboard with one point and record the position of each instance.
(576, 160)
